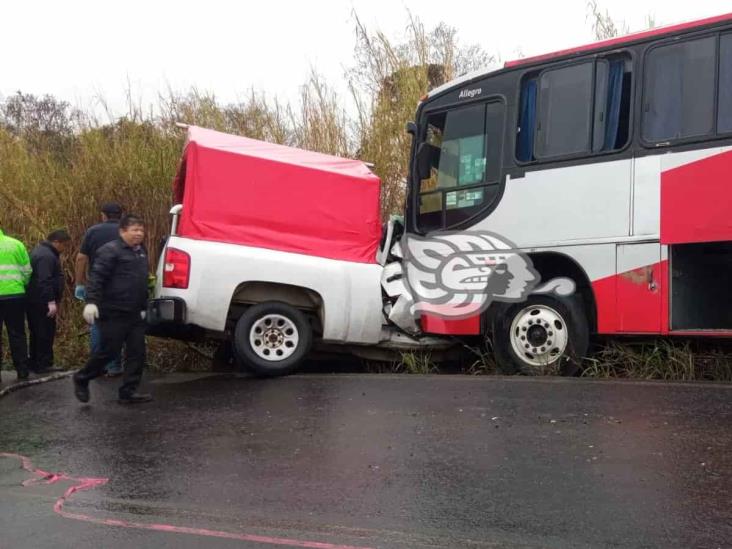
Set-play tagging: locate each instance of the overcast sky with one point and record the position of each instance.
(79, 50)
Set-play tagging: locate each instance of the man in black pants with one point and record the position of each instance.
(15, 273)
(116, 299)
(44, 298)
(94, 238)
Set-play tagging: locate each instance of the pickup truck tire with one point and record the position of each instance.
(542, 335)
(272, 338)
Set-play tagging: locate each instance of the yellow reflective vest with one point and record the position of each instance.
(15, 268)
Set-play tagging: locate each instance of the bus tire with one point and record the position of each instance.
(542, 335)
(272, 338)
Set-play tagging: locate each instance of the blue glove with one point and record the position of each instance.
(80, 292)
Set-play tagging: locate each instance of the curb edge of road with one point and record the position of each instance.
(30, 382)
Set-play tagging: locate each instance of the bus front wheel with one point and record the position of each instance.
(542, 335)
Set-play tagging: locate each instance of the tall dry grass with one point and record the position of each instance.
(42, 188)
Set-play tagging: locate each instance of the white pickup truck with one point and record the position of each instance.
(272, 248)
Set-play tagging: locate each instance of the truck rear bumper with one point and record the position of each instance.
(166, 310)
(166, 317)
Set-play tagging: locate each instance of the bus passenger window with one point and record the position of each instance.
(555, 111)
(527, 121)
(564, 115)
(724, 117)
(678, 92)
(612, 104)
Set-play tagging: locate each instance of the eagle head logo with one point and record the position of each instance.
(459, 274)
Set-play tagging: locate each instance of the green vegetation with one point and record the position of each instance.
(647, 359)
(666, 359)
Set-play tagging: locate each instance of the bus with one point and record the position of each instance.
(609, 164)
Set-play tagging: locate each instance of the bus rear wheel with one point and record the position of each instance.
(542, 335)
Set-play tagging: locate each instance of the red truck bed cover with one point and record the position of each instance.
(244, 191)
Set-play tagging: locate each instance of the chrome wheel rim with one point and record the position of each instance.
(539, 335)
(274, 337)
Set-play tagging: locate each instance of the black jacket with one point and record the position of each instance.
(118, 280)
(47, 281)
(97, 236)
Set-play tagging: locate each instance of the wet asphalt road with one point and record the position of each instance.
(373, 461)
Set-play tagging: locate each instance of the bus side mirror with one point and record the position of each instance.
(427, 156)
(411, 128)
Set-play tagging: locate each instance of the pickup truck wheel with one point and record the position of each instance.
(542, 335)
(272, 338)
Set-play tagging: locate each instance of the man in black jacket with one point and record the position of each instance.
(116, 299)
(94, 238)
(44, 298)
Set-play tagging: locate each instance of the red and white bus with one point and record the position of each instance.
(610, 164)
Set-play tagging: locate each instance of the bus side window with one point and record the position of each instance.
(555, 109)
(724, 116)
(612, 103)
(564, 113)
(527, 121)
(679, 90)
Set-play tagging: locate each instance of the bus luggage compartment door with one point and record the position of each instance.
(640, 287)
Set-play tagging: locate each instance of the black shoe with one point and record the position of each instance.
(81, 390)
(135, 398)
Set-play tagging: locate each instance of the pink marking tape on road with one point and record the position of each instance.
(82, 484)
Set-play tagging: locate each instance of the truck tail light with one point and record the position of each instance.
(177, 269)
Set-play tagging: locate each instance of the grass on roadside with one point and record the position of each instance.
(660, 359)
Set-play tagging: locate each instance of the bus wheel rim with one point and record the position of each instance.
(539, 335)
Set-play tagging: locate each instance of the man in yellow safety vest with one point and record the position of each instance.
(15, 273)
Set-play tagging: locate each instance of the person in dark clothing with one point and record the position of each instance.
(44, 298)
(96, 237)
(116, 301)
